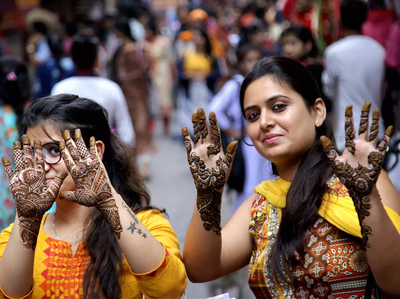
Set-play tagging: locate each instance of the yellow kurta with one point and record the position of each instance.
(59, 274)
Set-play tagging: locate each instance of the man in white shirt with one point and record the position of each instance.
(87, 84)
(354, 71)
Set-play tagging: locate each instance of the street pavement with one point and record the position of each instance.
(171, 187)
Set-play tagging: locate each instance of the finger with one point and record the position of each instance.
(329, 149)
(188, 141)
(79, 196)
(8, 168)
(199, 125)
(18, 156)
(231, 152)
(71, 146)
(39, 156)
(69, 162)
(215, 147)
(80, 144)
(364, 119)
(349, 129)
(195, 121)
(54, 188)
(93, 149)
(28, 155)
(385, 141)
(373, 134)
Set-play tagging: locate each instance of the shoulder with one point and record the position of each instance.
(64, 85)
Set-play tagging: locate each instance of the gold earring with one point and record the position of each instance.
(317, 123)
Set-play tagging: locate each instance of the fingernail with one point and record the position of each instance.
(231, 147)
(194, 117)
(38, 144)
(66, 135)
(185, 131)
(376, 115)
(389, 131)
(62, 175)
(78, 134)
(213, 116)
(62, 194)
(366, 107)
(25, 140)
(61, 145)
(201, 113)
(349, 110)
(92, 141)
(5, 161)
(325, 141)
(17, 145)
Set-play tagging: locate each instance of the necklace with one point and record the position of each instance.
(54, 225)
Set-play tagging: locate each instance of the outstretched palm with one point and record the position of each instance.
(210, 167)
(359, 166)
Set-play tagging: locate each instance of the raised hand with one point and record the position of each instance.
(359, 166)
(92, 185)
(33, 198)
(209, 166)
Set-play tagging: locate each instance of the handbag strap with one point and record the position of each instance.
(372, 285)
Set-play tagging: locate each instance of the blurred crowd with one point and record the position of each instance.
(144, 65)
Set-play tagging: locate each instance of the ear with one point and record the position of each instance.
(319, 111)
(308, 46)
(100, 148)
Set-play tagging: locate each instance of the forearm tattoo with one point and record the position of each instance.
(209, 182)
(92, 186)
(360, 180)
(33, 198)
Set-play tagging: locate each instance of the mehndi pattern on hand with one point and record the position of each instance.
(92, 185)
(209, 182)
(361, 179)
(33, 198)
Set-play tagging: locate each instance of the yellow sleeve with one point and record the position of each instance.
(4, 236)
(169, 279)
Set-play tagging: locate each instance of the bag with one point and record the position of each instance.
(236, 178)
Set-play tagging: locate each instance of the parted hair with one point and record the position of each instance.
(308, 187)
(70, 112)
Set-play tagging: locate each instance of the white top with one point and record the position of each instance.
(354, 74)
(106, 93)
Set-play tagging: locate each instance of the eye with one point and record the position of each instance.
(253, 116)
(279, 107)
(53, 149)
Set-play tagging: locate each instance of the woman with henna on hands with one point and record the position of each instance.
(325, 225)
(104, 240)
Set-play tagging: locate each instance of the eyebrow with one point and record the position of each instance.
(267, 101)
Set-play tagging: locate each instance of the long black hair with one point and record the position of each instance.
(308, 187)
(305, 35)
(70, 112)
(14, 84)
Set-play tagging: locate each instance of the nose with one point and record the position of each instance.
(46, 167)
(266, 120)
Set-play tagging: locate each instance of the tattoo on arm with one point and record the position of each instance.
(133, 229)
(130, 212)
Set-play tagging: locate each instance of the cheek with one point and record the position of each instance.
(68, 184)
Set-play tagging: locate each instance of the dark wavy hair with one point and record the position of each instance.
(70, 112)
(305, 35)
(14, 90)
(308, 187)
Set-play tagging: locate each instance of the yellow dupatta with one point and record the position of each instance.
(337, 209)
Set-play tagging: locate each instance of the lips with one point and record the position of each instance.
(271, 138)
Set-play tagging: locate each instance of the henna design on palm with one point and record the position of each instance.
(210, 174)
(361, 179)
(92, 185)
(33, 198)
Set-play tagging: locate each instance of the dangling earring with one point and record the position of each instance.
(317, 123)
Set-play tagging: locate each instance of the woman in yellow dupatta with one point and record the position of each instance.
(325, 225)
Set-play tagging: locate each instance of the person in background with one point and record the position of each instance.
(86, 83)
(226, 106)
(354, 69)
(104, 240)
(129, 68)
(58, 67)
(198, 71)
(37, 48)
(299, 44)
(15, 93)
(161, 71)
